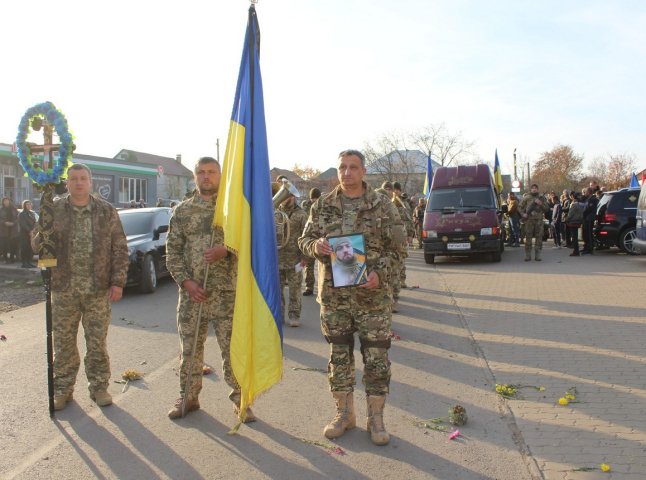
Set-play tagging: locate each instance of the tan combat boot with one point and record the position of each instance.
(102, 398)
(345, 418)
(176, 411)
(61, 400)
(528, 255)
(378, 433)
(537, 255)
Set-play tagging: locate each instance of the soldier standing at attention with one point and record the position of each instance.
(188, 250)
(353, 207)
(91, 271)
(308, 271)
(418, 220)
(533, 207)
(288, 257)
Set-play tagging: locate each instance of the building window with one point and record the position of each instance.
(132, 189)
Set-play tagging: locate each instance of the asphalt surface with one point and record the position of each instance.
(561, 323)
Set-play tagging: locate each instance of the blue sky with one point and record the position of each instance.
(159, 76)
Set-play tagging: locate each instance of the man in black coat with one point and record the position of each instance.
(589, 216)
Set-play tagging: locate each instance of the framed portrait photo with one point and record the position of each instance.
(348, 260)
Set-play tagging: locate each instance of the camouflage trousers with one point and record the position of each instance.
(218, 311)
(292, 280)
(69, 308)
(398, 275)
(308, 272)
(373, 327)
(533, 229)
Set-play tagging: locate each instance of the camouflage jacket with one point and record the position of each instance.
(188, 238)
(290, 254)
(405, 216)
(306, 205)
(108, 240)
(533, 211)
(379, 221)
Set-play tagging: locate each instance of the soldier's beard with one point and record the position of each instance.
(207, 191)
(346, 261)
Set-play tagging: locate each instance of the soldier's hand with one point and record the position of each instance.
(115, 293)
(372, 282)
(197, 293)
(215, 254)
(322, 247)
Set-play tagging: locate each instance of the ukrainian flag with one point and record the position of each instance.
(497, 175)
(428, 180)
(245, 213)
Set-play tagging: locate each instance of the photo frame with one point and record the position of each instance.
(348, 260)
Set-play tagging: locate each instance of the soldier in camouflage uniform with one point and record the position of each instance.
(399, 271)
(308, 271)
(532, 208)
(192, 243)
(91, 271)
(288, 257)
(353, 207)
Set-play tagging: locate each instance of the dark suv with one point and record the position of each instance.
(615, 224)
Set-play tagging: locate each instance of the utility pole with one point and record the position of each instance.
(515, 171)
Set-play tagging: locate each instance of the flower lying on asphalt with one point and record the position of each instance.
(511, 390)
(457, 415)
(128, 376)
(393, 335)
(331, 449)
(604, 467)
(206, 370)
(569, 397)
(454, 435)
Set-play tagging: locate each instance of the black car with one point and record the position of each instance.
(615, 225)
(146, 230)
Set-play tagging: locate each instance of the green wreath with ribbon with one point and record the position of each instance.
(57, 171)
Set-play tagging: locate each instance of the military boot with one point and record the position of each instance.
(376, 428)
(528, 254)
(61, 400)
(345, 418)
(537, 255)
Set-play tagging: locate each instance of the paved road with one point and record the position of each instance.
(560, 323)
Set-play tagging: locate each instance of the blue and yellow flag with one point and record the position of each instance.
(497, 175)
(245, 213)
(428, 180)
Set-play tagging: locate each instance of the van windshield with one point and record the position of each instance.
(461, 198)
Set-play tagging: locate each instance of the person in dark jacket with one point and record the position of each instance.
(589, 216)
(574, 220)
(27, 223)
(8, 231)
(556, 221)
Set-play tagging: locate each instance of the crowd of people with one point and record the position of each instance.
(92, 268)
(15, 232)
(564, 214)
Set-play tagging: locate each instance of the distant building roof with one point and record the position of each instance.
(415, 161)
(172, 166)
(291, 176)
(328, 174)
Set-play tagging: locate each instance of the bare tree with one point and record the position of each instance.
(620, 170)
(598, 170)
(306, 173)
(444, 147)
(557, 169)
(389, 159)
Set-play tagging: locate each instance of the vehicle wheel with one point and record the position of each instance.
(496, 256)
(626, 241)
(429, 258)
(148, 281)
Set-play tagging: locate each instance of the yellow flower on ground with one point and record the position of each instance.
(605, 467)
(570, 396)
(541, 389)
(563, 401)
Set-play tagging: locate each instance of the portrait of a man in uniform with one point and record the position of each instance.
(348, 260)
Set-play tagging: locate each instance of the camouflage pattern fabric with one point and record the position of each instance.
(371, 326)
(218, 311)
(308, 270)
(353, 309)
(534, 229)
(288, 257)
(109, 246)
(293, 281)
(380, 223)
(93, 310)
(188, 237)
(81, 238)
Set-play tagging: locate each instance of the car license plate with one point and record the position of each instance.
(458, 246)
